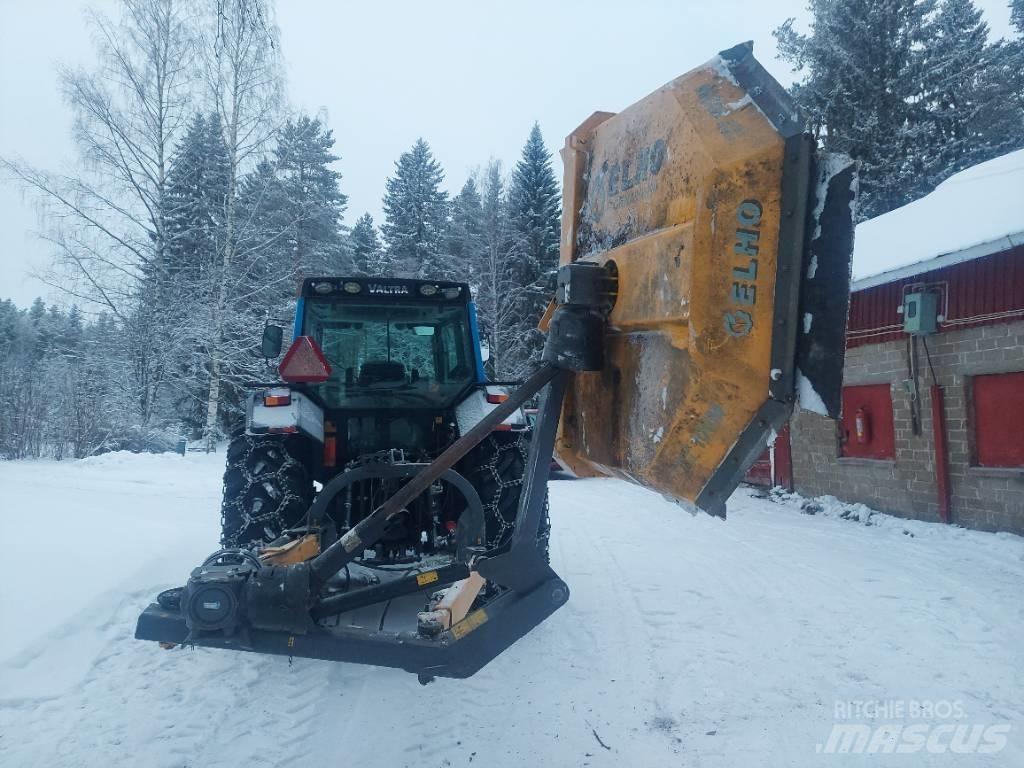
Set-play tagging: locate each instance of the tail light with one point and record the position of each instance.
(274, 398)
(304, 362)
(330, 451)
(330, 444)
(496, 399)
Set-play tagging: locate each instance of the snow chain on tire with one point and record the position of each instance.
(267, 488)
(499, 464)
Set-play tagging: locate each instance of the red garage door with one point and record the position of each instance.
(775, 465)
(998, 401)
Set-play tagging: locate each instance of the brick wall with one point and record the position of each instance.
(987, 499)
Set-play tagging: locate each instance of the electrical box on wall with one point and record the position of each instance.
(920, 313)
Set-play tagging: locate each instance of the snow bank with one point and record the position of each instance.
(977, 207)
(831, 507)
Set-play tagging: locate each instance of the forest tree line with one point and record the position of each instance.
(201, 201)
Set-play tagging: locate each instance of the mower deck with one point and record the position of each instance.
(456, 652)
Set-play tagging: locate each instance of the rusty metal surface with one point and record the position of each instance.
(686, 192)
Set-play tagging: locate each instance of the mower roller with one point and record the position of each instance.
(702, 291)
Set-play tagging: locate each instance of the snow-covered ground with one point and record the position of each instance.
(687, 640)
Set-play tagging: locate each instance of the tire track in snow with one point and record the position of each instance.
(141, 705)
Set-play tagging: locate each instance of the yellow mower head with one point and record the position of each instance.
(704, 198)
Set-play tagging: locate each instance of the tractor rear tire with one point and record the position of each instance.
(267, 488)
(496, 468)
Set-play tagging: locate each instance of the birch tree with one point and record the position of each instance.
(106, 222)
(243, 76)
(498, 286)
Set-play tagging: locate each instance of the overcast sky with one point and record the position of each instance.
(470, 77)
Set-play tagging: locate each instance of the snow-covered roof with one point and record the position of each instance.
(971, 214)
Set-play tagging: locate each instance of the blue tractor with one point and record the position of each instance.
(381, 377)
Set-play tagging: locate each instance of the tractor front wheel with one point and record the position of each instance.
(267, 488)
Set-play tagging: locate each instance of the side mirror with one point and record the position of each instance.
(485, 350)
(271, 344)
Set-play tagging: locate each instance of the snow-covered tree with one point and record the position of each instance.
(535, 217)
(1011, 66)
(415, 213)
(365, 245)
(196, 193)
(311, 197)
(535, 210)
(970, 116)
(862, 66)
(497, 280)
(62, 394)
(180, 298)
(106, 222)
(910, 88)
(242, 70)
(464, 241)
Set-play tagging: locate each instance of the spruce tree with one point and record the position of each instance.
(969, 117)
(497, 281)
(415, 213)
(365, 246)
(197, 186)
(465, 234)
(862, 62)
(534, 216)
(37, 312)
(536, 211)
(265, 243)
(178, 293)
(1011, 69)
(312, 200)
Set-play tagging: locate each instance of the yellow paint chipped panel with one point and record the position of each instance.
(682, 192)
(468, 624)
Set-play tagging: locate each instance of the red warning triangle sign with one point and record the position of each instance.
(304, 362)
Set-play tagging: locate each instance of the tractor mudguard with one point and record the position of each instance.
(702, 197)
(296, 413)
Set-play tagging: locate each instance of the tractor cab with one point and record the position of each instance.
(402, 344)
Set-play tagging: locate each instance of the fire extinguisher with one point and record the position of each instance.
(862, 425)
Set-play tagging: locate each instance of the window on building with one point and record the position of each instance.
(998, 419)
(866, 430)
